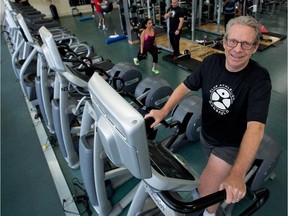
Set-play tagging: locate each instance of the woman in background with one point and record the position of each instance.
(147, 44)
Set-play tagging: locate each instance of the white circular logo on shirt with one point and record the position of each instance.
(173, 13)
(221, 98)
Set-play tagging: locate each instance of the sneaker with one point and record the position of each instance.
(155, 71)
(136, 61)
(99, 26)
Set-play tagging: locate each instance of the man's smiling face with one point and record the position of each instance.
(236, 57)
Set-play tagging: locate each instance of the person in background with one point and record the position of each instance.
(92, 2)
(147, 44)
(236, 93)
(100, 14)
(175, 14)
(231, 9)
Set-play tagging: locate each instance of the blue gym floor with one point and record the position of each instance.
(27, 188)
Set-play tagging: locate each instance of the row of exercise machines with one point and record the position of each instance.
(96, 108)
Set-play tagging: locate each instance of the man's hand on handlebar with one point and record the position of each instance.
(157, 115)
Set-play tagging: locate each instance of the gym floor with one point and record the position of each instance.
(26, 184)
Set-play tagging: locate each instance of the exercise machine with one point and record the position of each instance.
(119, 134)
(23, 58)
(70, 94)
(40, 84)
(153, 93)
(93, 164)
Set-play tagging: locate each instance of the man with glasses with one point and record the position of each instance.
(236, 93)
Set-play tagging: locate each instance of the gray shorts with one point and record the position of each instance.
(100, 15)
(226, 153)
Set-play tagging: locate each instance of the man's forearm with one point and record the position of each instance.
(166, 15)
(180, 25)
(178, 94)
(249, 147)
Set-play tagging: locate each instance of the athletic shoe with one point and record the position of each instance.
(155, 71)
(136, 61)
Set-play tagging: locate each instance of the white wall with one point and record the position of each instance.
(63, 7)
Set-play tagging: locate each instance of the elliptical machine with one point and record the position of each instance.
(120, 135)
(99, 181)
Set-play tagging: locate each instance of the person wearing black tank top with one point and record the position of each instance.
(147, 44)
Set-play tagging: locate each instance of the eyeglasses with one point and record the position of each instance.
(244, 45)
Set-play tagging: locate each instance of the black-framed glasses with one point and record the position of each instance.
(245, 45)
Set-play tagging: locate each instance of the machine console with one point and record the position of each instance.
(120, 128)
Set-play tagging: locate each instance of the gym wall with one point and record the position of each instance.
(63, 7)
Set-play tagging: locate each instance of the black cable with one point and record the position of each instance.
(84, 199)
(63, 201)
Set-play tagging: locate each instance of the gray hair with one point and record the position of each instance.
(247, 21)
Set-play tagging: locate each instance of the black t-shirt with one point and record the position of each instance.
(230, 100)
(177, 12)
